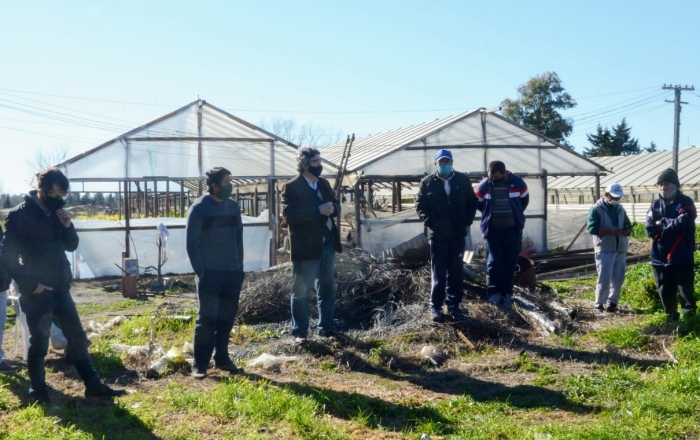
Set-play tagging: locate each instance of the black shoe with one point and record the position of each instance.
(199, 373)
(6, 368)
(230, 367)
(329, 334)
(436, 315)
(456, 314)
(41, 399)
(98, 389)
(598, 308)
(612, 308)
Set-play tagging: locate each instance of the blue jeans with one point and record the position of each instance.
(307, 273)
(219, 292)
(447, 272)
(504, 247)
(41, 309)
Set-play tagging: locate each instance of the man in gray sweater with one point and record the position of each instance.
(215, 248)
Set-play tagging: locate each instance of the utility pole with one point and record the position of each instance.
(677, 119)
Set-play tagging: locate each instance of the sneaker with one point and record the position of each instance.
(495, 298)
(612, 308)
(508, 302)
(6, 368)
(199, 373)
(598, 308)
(436, 315)
(230, 367)
(329, 333)
(99, 389)
(301, 340)
(456, 314)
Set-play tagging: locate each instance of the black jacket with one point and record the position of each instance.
(41, 242)
(300, 210)
(673, 239)
(446, 219)
(5, 280)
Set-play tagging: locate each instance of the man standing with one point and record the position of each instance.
(503, 198)
(4, 285)
(671, 226)
(446, 204)
(215, 248)
(609, 226)
(39, 233)
(308, 207)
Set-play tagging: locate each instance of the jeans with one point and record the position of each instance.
(447, 272)
(41, 309)
(307, 273)
(219, 292)
(504, 247)
(3, 319)
(611, 268)
(674, 282)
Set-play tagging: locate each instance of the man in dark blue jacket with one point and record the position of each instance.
(39, 233)
(671, 225)
(446, 203)
(503, 198)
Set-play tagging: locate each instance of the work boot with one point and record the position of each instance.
(42, 399)
(436, 314)
(508, 302)
(98, 389)
(456, 314)
(612, 308)
(495, 298)
(228, 366)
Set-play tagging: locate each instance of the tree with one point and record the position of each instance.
(538, 105)
(44, 158)
(7, 203)
(306, 135)
(617, 142)
(651, 148)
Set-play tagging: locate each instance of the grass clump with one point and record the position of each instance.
(629, 336)
(639, 289)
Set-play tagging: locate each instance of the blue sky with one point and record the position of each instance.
(352, 66)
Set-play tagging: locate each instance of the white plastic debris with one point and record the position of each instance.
(271, 362)
(131, 350)
(173, 356)
(433, 354)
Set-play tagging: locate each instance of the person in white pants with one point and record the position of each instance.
(609, 226)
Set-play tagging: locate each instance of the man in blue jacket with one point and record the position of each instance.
(39, 233)
(446, 203)
(503, 198)
(671, 225)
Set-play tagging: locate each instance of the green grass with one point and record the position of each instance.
(91, 308)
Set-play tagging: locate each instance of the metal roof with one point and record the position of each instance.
(640, 170)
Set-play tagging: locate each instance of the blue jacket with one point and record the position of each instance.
(673, 239)
(519, 199)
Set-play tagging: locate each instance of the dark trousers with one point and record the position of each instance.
(219, 292)
(504, 247)
(41, 309)
(674, 282)
(447, 272)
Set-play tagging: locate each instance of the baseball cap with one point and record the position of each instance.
(443, 154)
(615, 190)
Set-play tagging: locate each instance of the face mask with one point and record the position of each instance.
(668, 194)
(52, 203)
(225, 191)
(445, 169)
(613, 202)
(316, 171)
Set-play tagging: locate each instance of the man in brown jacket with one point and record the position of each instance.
(308, 207)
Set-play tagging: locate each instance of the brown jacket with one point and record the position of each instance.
(300, 210)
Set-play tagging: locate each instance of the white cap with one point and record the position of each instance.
(615, 190)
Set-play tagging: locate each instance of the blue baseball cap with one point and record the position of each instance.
(441, 154)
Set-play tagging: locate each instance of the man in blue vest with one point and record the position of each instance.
(609, 226)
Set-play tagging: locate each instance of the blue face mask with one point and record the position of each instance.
(445, 169)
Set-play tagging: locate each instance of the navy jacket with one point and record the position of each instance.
(446, 219)
(673, 239)
(40, 241)
(519, 199)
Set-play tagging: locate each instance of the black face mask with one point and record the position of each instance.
(316, 171)
(51, 203)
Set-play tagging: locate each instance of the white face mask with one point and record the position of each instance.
(613, 202)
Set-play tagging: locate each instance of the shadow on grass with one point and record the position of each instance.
(99, 417)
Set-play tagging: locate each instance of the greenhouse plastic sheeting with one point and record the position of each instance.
(99, 251)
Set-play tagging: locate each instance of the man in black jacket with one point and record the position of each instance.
(308, 207)
(39, 233)
(447, 204)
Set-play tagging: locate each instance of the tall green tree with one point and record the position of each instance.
(615, 142)
(538, 107)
